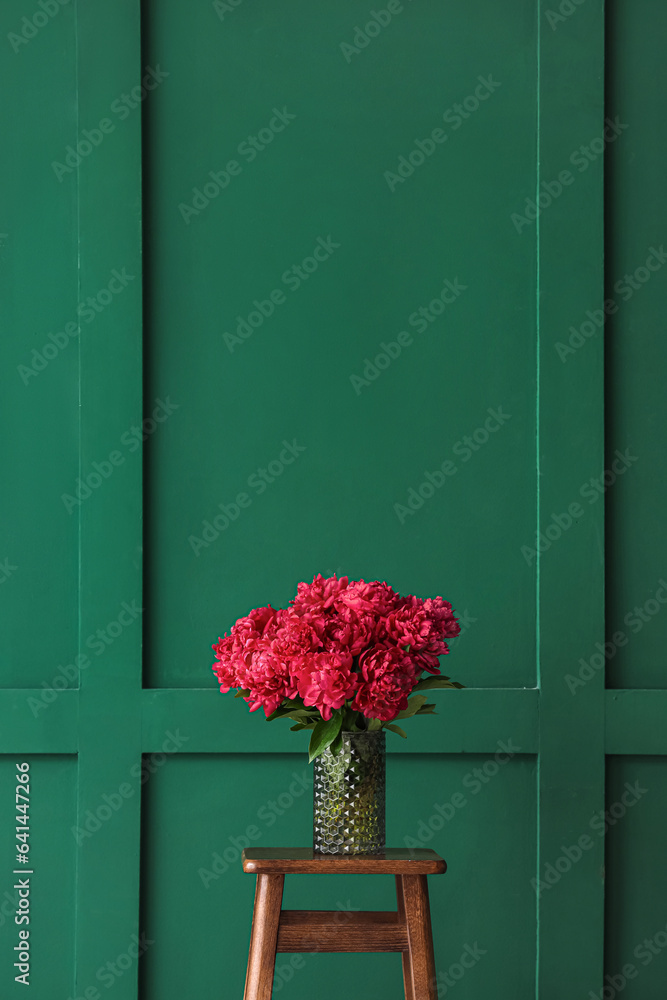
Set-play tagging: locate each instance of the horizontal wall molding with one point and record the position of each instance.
(474, 720)
(471, 721)
(38, 720)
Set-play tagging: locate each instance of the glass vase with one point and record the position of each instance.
(349, 796)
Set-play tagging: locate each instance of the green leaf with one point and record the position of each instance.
(373, 725)
(337, 743)
(397, 729)
(290, 710)
(242, 693)
(436, 681)
(302, 725)
(414, 704)
(427, 710)
(324, 733)
(306, 720)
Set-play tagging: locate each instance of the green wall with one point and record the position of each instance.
(389, 253)
(240, 319)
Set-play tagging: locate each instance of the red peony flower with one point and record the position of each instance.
(225, 670)
(266, 676)
(352, 633)
(320, 593)
(428, 658)
(443, 616)
(376, 599)
(325, 680)
(347, 645)
(389, 674)
(409, 624)
(291, 635)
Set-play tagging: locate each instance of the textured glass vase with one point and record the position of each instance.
(349, 796)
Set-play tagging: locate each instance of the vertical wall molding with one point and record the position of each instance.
(570, 451)
(109, 179)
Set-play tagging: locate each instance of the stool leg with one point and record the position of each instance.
(407, 964)
(420, 939)
(263, 937)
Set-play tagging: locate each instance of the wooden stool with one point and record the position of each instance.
(408, 929)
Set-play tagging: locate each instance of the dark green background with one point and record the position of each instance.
(529, 623)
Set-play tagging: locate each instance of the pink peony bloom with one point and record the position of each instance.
(224, 669)
(291, 635)
(338, 642)
(442, 615)
(316, 617)
(353, 633)
(320, 593)
(426, 660)
(375, 598)
(390, 675)
(325, 680)
(266, 677)
(409, 624)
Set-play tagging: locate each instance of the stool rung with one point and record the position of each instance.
(341, 930)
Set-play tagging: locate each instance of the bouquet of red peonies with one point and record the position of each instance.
(344, 657)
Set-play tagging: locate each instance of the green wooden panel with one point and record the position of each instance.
(39, 721)
(199, 845)
(635, 722)
(636, 934)
(570, 450)
(49, 878)
(321, 177)
(637, 281)
(38, 352)
(473, 722)
(109, 778)
(216, 416)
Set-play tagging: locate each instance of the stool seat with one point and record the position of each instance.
(406, 929)
(303, 861)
